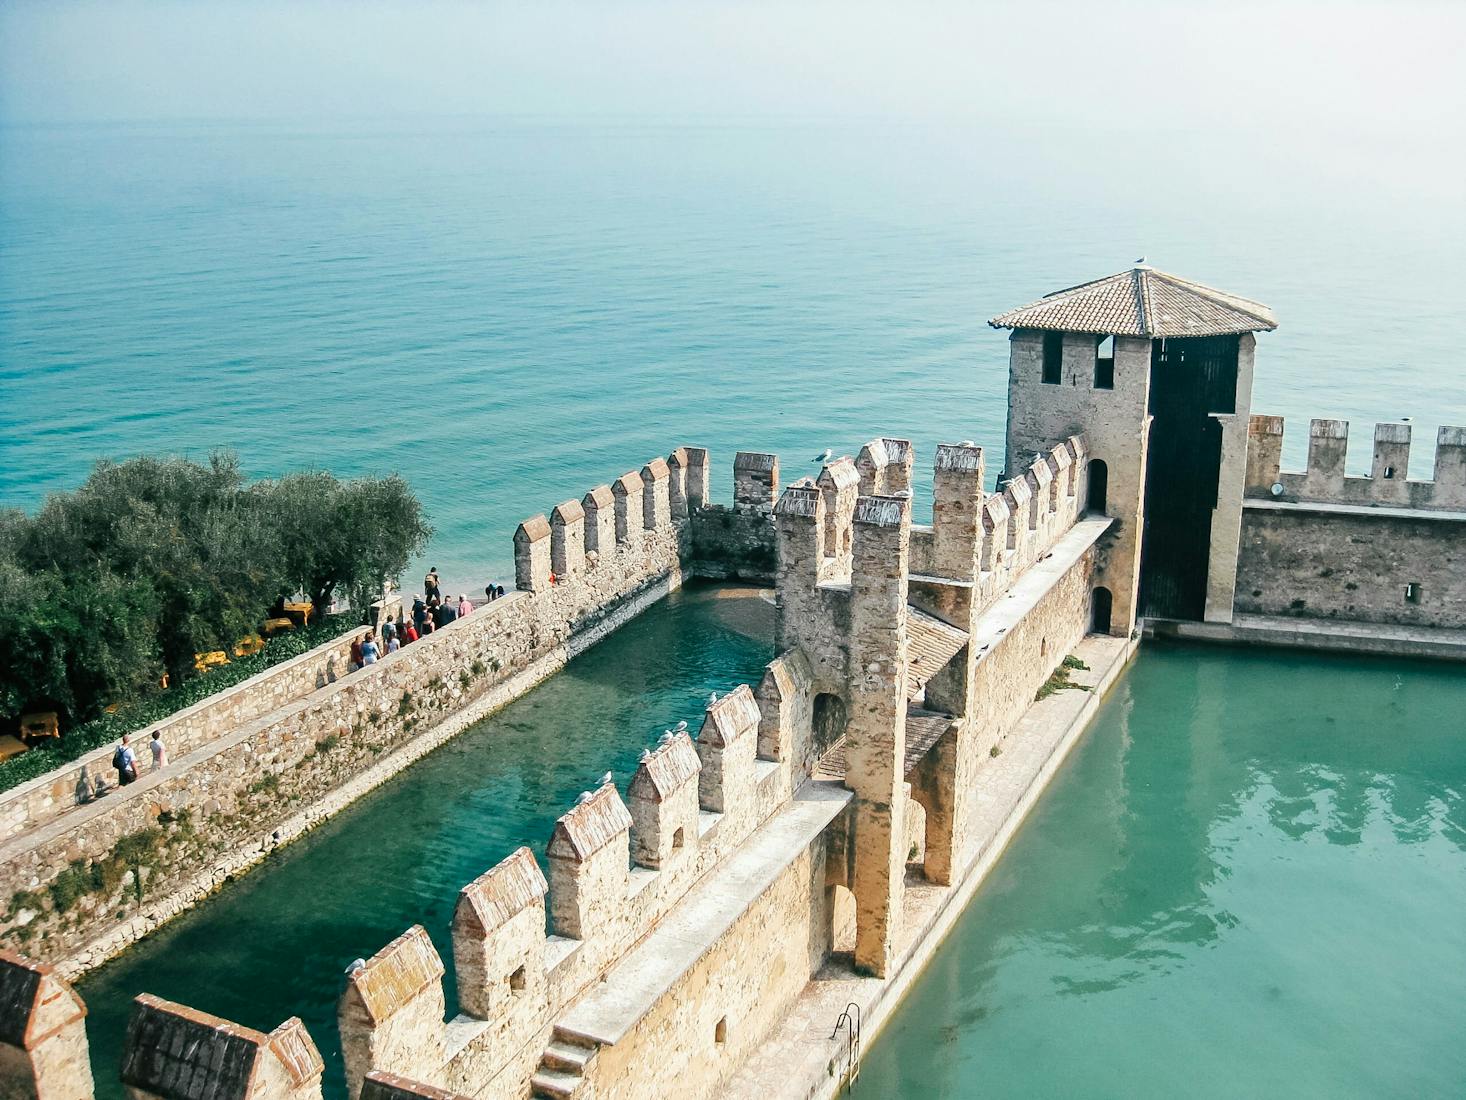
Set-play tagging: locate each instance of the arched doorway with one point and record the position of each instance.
(1099, 485)
(1100, 604)
(828, 720)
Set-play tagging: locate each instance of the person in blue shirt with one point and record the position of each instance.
(369, 649)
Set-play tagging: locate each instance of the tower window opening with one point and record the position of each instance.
(720, 1031)
(677, 839)
(1412, 592)
(1101, 606)
(1053, 358)
(1104, 364)
(516, 981)
(1389, 472)
(1099, 484)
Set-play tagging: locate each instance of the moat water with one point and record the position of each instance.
(1250, 880)
(510, 312)
(275, 943)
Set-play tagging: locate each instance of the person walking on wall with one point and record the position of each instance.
(354, 662)
(160, 752)
(488, 593)
(125, 762)
(430, 584)
(464, 607)
(369, 649)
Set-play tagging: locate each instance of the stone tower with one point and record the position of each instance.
(1155, 372)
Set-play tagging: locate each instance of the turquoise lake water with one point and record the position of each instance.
(275, 943)
(509, 313)
(1248, 881)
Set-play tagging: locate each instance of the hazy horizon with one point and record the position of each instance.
(1274, 70)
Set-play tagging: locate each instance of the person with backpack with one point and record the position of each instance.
(125, 762)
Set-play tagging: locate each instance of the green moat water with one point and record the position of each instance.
(1250, 880)
(275, 943)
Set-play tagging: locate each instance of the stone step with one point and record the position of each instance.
(554, 1084)
(570, 1057)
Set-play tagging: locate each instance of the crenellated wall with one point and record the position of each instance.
(1325, 481)
(1323, 545)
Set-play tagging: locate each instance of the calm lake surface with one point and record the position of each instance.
(1248, 881)
(511, 312)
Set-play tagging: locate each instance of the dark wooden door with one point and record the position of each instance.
(1189, 379)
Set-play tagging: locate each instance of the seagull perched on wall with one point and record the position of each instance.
(606, 780)
(356, 964)
(713, 698)
(680, 727)
(584, 796)
(829, 454)
(646, 754)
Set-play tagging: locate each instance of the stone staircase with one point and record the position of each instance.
(562, 1066)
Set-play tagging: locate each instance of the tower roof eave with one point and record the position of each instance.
(1142, 302)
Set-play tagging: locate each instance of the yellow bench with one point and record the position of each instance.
(41, 724)
(248, 647)
(202, 662)
(11, 746)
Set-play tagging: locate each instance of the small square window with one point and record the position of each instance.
(1412, 592)
(1389, 472)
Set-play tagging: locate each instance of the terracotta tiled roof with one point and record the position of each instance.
(1142, 302)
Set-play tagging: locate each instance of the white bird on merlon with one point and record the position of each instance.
(829, 454)
(606, 780)
(356, 964)
(680, 727)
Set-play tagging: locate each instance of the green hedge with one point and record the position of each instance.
(77, 742)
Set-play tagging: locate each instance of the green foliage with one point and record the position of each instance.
(109, 728)
(152, 560)
(1059, 679)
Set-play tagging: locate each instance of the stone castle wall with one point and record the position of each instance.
(1376, 549)
(57, 792)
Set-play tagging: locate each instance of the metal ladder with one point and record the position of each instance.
(850, 1021)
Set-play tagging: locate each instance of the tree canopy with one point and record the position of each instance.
(153, 560)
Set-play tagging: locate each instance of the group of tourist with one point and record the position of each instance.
(430, 611)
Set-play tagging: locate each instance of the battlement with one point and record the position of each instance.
(1324, 481)
(615, 869)
(977, 546)
(175, 1052)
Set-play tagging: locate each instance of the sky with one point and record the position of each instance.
(1266, 71)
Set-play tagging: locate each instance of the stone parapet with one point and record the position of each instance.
(1324, 480)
